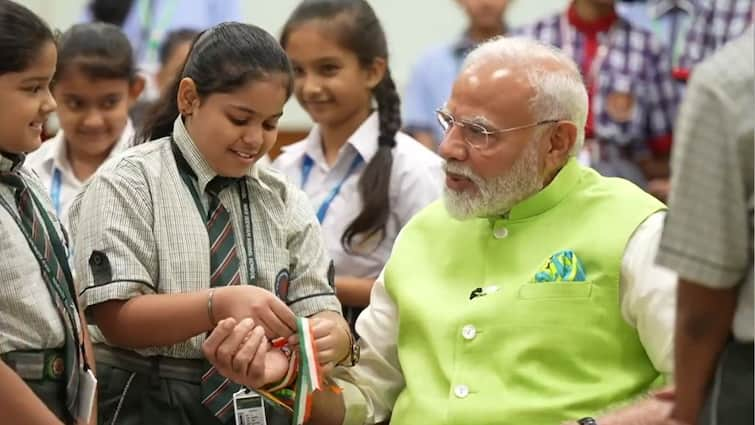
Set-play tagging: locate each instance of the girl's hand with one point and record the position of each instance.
(246, 301)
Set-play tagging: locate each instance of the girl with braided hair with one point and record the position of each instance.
(365, 178)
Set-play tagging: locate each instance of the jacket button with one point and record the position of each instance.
(469, 332)
(461, 391)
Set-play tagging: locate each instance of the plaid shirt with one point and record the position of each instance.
(632, 65)
(708, 238)
(715, 22)
(30, 320)
(139, 215)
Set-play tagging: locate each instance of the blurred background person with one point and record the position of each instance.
(173, 53)
(434, 73)
(715, 23)
(95, 84)
(691, 30)
(631, 92)
(147, 23)
(668, 20)
(364, 177)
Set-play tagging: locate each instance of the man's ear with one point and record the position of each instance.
(561, 140)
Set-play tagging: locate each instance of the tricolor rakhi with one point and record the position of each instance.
(310, 378)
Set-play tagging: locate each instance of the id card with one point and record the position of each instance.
(87, 390)
(249, 408)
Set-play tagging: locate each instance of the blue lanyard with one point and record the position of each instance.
(306, 170)
(55, 191)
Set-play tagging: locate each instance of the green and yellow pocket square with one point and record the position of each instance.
(563, 266)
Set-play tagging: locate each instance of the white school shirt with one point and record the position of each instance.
(416, 181)
(52, 156)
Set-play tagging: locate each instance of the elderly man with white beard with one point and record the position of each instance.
(529, 295)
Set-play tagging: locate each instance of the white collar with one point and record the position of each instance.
(55, 155)
(363, 141)
(658, 8)
(203, 172)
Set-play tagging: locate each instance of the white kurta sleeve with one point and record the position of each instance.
(371, 388)
(648, 293)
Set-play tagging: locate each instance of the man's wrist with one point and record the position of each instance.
(349, 342)
(349, 358)
(584, 421)
(341, 324)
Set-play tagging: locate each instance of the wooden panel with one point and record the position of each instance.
(286, 137)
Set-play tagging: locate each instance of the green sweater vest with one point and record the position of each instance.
(522, 352)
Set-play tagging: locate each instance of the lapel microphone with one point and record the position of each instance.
(476, 292)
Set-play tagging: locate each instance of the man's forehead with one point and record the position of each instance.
(496, 71)
(491, 85)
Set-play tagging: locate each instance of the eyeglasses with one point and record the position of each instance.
(475, 134)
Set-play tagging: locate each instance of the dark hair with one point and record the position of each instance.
(22, 34)
(360, 32)
(110, 11)
(98, 50)
(222, 59)
(173, 40)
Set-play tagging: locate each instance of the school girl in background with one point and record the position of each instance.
(95, 85)
(173, 52)
(364, 177)
(181, 232)
(45, 355)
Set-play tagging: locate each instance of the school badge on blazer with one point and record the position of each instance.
(281, 285)
(563, 266)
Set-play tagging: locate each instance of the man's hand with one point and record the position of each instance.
(332, 338)
(649, 411)
(241, 352)
(652, 410)
(669, 394)
(670, 421)
(246, 301)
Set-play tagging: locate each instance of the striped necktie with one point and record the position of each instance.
(56, 281)
(217, 391)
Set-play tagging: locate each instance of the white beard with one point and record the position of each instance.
(497, 196)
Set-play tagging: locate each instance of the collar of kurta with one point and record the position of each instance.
(10, 162)
(549, 196)
(199, 165)
(590, 27)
